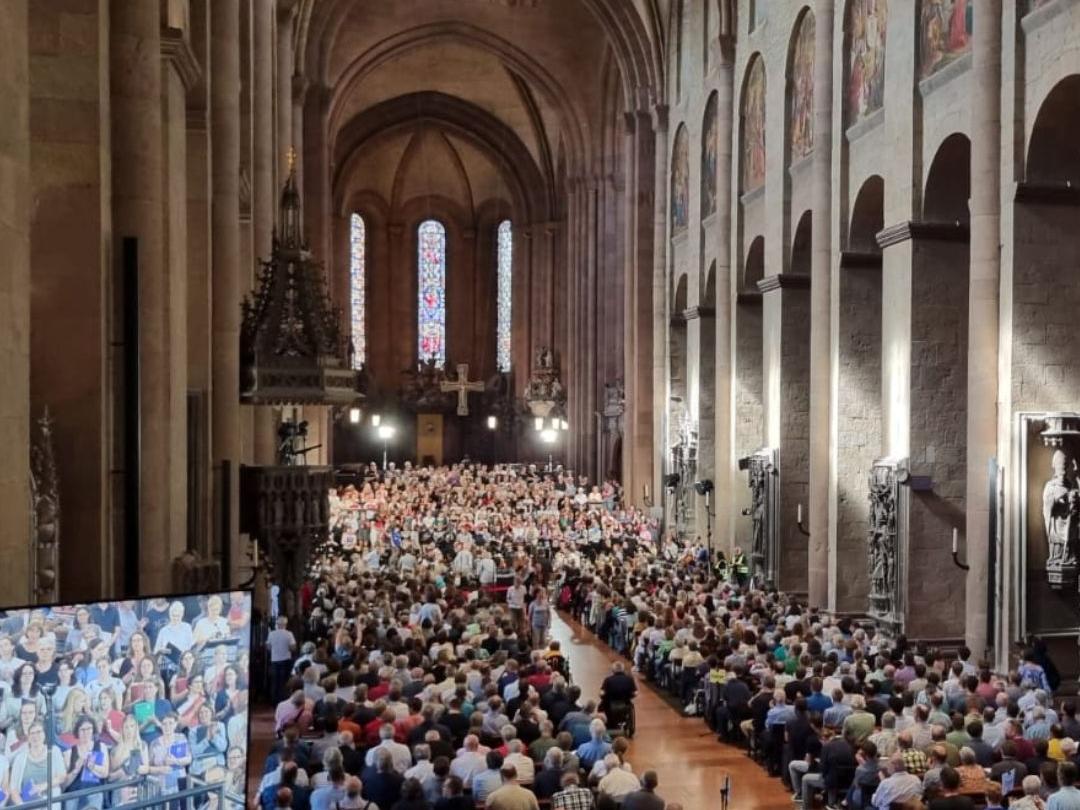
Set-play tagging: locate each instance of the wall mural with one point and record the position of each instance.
(753, 141)
(802, 90)
(709, 145)
(945, 33)
(680, 181)
(866, 76)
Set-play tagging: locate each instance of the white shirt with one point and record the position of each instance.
(467, 763)
(179, 635)
(618, 783)
(399, 753)
(281, 643)
(515, 597)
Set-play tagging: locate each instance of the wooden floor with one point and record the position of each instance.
(690, 763)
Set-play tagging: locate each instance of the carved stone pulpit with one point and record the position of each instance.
(286, 510)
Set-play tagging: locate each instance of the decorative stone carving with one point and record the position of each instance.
(885, 544)
(762, 469)
(544, 392)
(683, 441)
(44, 513)
(1061, 502)
(614, 407)
(192, 574)
(286, 510)
(421, 389)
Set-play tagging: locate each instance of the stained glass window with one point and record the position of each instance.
(505, 295)
(431, 273)
(357, 259)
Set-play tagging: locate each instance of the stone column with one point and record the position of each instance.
(199, 281)
(137, 207)
(638, 351)
(820, 309)
(225, 257)
(263, 192)
(659, 298)
(285, 17)
(786, 366)
(15, 301)
(180, 74)
(726, 468)
(983, 302)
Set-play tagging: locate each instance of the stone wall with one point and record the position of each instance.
(1046, 300)
(749, 413)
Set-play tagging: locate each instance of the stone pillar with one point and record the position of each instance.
(137, 204)
(246, 265)
(263, 191)
(821, 268)
(199, 282)
(983, 302)
(638, 456)
(180, 74)
(284, 94)
(15, 301)
(726, 467)
(659, 298)
(786, 368)
(225, 256)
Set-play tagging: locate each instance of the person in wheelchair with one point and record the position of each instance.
(617, 694)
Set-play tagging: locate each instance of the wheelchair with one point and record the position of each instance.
(621, 717)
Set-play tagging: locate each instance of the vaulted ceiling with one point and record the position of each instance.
(484, 98)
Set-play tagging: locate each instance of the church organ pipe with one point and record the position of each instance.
(132, 415)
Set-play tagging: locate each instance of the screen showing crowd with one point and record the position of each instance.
(122, 701)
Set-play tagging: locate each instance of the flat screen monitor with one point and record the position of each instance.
(126, 702)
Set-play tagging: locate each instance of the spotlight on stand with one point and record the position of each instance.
(671, 480)
(354, 416)
(703, 487)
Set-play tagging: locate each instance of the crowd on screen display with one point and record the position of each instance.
(152, 691)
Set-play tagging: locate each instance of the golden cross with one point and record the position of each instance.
(291, 157)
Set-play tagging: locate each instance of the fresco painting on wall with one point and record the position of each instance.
(866, 77)
(709, 146)
(753, 145)
(680, 182)
(945, 33)
(802, 90)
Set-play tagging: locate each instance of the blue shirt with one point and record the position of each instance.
(818, 702)
(591, 752)
(779, 715)
(1067, 798)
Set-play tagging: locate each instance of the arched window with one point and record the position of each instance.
(431, 273)
(505, 253)
(357, 262)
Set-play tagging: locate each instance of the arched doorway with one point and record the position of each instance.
(1045, 343)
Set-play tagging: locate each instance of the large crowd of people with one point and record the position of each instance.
(424, 676)
(150, 696)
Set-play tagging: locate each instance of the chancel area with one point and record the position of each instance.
(790, 283)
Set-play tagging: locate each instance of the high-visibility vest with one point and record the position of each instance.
(738, 562)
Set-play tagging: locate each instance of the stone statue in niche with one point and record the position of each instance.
(881, 541)
(544, 390)
(1061, 517)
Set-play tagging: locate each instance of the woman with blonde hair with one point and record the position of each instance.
(130, 758)
(77, 703)
(107, 714)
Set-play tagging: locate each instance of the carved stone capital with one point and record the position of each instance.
(913, 229)
(784, 281)
(176, 53)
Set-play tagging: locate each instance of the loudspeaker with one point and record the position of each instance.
(671, 480)
(703, 487)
